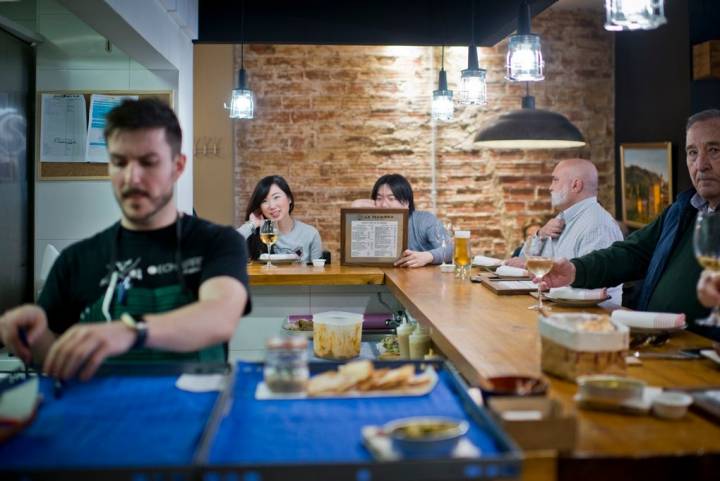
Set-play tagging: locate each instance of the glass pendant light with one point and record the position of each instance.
(634, 14)
(473, 86)
(442, 98)
(524, 57)
(242, 101)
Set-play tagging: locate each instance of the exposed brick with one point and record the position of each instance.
(332, 119)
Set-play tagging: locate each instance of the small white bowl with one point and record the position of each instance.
(318, 262)
(671, 405)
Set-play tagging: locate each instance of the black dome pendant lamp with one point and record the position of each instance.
(530, 128)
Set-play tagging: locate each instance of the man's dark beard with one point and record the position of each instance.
(162, 201)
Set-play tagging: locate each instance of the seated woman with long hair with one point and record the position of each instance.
(272, 199)
(425, 232)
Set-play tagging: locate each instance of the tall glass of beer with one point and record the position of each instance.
(461, 257)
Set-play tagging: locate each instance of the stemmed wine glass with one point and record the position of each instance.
(443, 236)
(539, 254)
(268, 236)
(706, 242)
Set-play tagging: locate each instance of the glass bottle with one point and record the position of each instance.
(286, 364)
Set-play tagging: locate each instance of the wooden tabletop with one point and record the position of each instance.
(486, 335)
(302, 275)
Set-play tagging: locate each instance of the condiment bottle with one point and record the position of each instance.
(419, 342)
(286, 364)
(403, 334)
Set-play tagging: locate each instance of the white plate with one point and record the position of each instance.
(262, 392)
(279, 258)
(575, 302)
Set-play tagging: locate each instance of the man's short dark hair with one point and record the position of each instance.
(145, 113)
(400, 188)
(708, 114)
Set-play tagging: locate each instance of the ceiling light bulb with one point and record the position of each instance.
(634, 14)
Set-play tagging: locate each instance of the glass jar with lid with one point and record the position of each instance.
(286, 364)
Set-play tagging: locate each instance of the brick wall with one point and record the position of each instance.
(331, 119)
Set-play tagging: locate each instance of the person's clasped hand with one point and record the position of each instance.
(553, 228)
(414, 259)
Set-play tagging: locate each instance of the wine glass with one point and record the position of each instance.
(538, 253)
(706, 242)
(268, 236)
(441, 235)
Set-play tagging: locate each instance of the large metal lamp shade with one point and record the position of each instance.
(529, 128)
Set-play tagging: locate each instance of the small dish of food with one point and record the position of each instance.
(671, 405)
(610, 389)
(426, 437)
(513, 386)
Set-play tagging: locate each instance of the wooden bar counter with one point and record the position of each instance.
(302, 275)
(486, 335)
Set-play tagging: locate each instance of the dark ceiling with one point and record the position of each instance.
(354, 22)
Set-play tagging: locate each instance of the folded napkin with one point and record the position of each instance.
(508, 271)
(649, 320)
(485, 261)
(575, 294)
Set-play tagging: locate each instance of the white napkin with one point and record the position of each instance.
(575, 294)
(649, 320)
(485, 261)
(200, 382)
(508, 271)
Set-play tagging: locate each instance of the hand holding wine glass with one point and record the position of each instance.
(538, 253)
(706, 242)
(268, 236)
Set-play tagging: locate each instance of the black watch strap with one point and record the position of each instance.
(137, 323)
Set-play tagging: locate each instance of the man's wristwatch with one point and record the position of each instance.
(136, 323)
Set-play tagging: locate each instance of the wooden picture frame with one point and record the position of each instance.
(81, 170)
(361, 228)
(646, 181)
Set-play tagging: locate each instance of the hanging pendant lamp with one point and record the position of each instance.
(529, 128)
(634, 14)
(242, 101)
(524, 61)
(442, 98)
(473, 86)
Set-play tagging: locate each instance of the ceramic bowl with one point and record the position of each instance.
(426, 436)
(671, 405)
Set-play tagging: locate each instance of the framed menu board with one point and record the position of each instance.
(372, 237)
(69, 144)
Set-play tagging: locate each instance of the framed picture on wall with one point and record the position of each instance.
(372, 237)
(646, 181)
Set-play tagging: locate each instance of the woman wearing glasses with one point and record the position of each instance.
(273, 200)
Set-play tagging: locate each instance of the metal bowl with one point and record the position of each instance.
(426, 436)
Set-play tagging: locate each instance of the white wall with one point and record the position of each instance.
(156, 54)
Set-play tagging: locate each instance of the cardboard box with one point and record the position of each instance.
(535, 422)
(706, 60)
